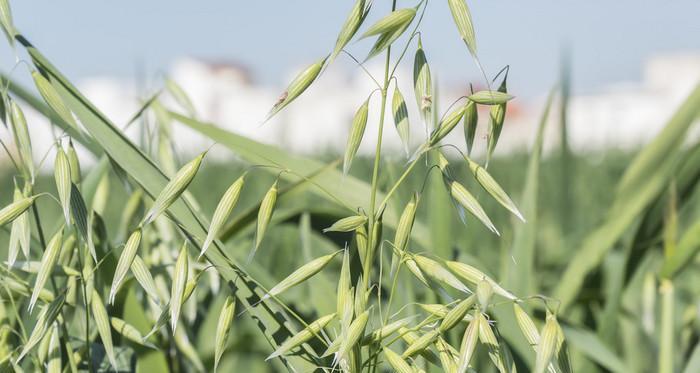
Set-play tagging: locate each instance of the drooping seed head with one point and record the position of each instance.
(475, 276)
(48, 261)
(354, 334)
(23, 142)
(223, 210)
(125, 259)
(393, 21)
(173, 189)
(54, 352)
(471, 119)
(267, 206)
(63, 181)
(362, 243)
(400, 113)
(10, 212)
(8, 26)
(488, 338)
(490, 97)
(527, 326)
(144, 278)
(352, 23)
(296, 340)
(344, 284)
(391, 34)
(457, 313)
(447, 125)
(177, 293)
(484, 292)
(75, 174)
(397, 362)
(465, 199)
(127, 330)
(53, 99)
(439, 273)
(49, 313)
(385, 331)
(491, 186)
(223, 327)
(99, 313)
(301, 274)
(347, 224)
(463, 21)
(466, 350)
(547, 345)
(422, 83)
(300, 83)
(421, 344)
(405, 226)
(357, 131)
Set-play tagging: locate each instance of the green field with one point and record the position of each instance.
(153, 261)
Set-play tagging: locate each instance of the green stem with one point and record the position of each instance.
(378, 150)
(375, 169)
(377, 157)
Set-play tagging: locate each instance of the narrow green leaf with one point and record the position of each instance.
(180, 95)
(519, 278)
(641, 183)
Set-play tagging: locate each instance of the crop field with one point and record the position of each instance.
(148, 260)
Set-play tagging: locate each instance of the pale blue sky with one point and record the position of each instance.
(609, 40)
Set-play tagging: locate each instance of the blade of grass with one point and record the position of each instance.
(641, 184)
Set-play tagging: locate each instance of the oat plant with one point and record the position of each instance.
(84, 291)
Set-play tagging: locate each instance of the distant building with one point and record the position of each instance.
(621, 115)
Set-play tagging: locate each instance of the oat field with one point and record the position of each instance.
(444, 261)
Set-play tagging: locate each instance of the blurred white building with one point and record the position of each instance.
(621, 115)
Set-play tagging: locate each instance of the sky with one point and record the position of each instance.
(608, 40)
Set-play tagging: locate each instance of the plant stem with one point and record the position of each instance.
(378, 150)
(375, 170)
(377, 156)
